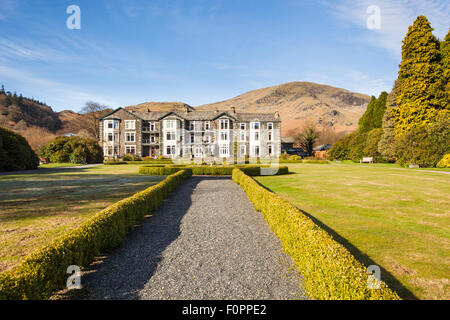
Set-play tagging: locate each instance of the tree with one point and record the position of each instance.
(15, 152)
(373, 116)
(386, 146)
(425, 145)
(307, 138)
(94, 111)
(421, 87)
(445, 54)
(73, 149)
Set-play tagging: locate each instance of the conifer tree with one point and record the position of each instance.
(421, 92)
(386, 146)
(373, 116)
(445, 54)
(365, 122)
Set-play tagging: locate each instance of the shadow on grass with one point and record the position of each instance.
(122, 273)
(37, 197)
(387, 277)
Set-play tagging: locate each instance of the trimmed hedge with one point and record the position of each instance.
(44, 271)
(207, 170)
(329, 270)
(305, 161)
(113, 162)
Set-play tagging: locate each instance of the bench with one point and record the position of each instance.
(366, 160)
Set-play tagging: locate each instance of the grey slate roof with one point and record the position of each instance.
(200, 115)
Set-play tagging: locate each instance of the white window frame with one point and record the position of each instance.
(129, 147)
(130, 124)
(224, 147)
(270, 124)
(172, 135)
(170, 124)
(243, 126)
(253, 125)
(224, 136)
(128, 134)
(207, 125)
(172, 148)
(243, 147)
(243, 136)
(224, 124)
(152, 126)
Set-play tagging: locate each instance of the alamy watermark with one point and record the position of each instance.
(74, 20)
(373, 22)
(74, 280)
(374, 278)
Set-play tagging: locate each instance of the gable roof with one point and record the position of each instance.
(118, 109)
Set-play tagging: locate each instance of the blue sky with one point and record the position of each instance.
(200, 51)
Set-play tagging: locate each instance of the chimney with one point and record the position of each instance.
(233, 110)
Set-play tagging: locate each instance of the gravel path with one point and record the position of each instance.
(205, 242)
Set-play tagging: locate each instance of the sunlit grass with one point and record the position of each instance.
(36, 208)
(398, 219)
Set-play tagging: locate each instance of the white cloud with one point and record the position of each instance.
(58, 91)
(396, 17)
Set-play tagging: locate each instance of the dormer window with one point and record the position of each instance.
(224, 124)
(254, 125)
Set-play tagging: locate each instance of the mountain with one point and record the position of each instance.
(17, 112)
(160, 106)
(297, 102)
(300, 103)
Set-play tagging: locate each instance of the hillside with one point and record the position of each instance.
(17, 112)
(160, 106)
(302, 102)
(297, 102)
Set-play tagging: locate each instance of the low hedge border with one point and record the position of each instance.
(207, 170)
(305, 161)
(330, 271)
(44, 271)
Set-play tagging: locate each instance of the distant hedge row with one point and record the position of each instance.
(15, 152)
(251, 170)
(44, 271)
(329, 270)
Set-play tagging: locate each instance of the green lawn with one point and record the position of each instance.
(397, 219)
(59, 165)
(388, 165)
(38, 207)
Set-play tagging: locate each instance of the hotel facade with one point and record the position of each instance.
(191, 135)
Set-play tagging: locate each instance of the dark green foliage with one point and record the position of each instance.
(445, 54)
(386, 146)
(358, 145)
(15, 152)
(45, 270)
(226, 170)
(329, 270)
(425, 146)
(366, 123)
(421, 92)
(72, 149)
(373, 116)
(307, 138)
